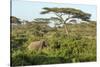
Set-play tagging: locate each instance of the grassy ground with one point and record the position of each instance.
(78, 46)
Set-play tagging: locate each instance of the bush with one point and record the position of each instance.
(78, 46)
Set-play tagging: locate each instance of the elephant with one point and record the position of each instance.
(38, 45)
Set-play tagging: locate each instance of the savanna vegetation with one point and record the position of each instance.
(68, 43)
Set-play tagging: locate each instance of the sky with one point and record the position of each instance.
(29, 10)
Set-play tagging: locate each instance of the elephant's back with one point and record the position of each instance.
(34, 45)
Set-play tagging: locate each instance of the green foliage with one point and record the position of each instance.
(78, 46)
(76, 13)
(60, 14)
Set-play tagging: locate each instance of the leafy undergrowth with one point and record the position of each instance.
(78, 46)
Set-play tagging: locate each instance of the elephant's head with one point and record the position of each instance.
(44, 43)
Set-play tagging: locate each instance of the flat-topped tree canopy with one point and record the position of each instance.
(64, 14)
(74, 13)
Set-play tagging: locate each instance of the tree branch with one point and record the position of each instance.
(69, 16)
(60, 16)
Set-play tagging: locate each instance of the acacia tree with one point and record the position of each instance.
(64, 14)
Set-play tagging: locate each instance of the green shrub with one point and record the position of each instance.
(78, 46)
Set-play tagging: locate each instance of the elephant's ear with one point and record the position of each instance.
(42, 43)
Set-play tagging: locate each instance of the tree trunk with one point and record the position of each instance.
(65, 29)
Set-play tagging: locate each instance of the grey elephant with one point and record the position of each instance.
(38, 45)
